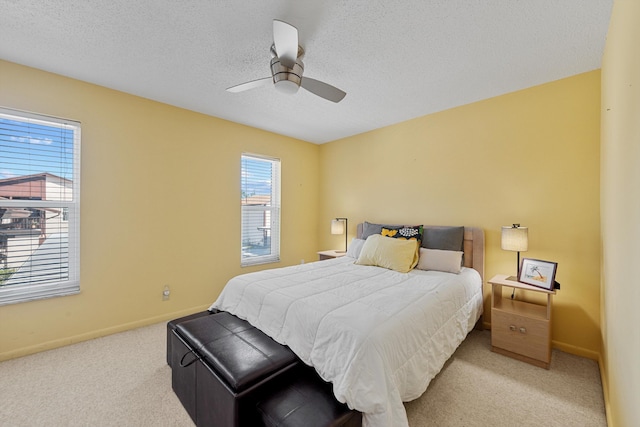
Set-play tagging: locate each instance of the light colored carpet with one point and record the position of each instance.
(477, 387)
(123, 380)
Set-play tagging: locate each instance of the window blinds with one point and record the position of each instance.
(39, 206)
(260, 204)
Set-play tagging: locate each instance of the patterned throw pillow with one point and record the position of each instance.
(407, 232)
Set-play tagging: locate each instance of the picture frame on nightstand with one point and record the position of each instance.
(537, 272)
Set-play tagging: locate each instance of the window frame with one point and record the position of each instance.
(274, 209)
(35, 291)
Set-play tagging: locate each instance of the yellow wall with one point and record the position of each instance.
(621, 214)
(160, 204)
(530, 157)
(158, 207)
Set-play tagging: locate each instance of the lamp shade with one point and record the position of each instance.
(515, 238)
(337, 226)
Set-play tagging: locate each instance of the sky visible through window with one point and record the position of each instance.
(29, 148)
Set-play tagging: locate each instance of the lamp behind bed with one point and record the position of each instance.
(338, 227)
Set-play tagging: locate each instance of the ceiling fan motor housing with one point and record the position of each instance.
(287, 79)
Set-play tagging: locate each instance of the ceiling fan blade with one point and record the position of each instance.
(322, 89)
(250, 85)
(285, 40)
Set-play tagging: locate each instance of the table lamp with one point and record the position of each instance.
(515, 238)
(339, 226)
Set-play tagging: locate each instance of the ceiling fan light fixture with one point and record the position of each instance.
(287, 86)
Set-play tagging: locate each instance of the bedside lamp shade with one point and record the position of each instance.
(339, 226)
(515, 238)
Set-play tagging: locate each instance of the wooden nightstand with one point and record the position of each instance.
(520, 329)
(330, 254)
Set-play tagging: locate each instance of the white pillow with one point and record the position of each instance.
(437, 259)
(355, 248)
(395, 254)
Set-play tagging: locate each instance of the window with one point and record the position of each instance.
(260, 201)
(39, 206)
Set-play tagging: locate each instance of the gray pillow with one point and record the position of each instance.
(368, 229)
(443, 238)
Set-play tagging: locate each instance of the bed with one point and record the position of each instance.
(377, 334)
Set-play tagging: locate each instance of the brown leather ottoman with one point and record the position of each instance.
(221, 365)
(306, 401)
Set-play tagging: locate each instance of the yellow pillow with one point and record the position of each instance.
(386, 252)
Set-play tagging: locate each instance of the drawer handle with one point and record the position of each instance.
(523, 330)
(512, 327)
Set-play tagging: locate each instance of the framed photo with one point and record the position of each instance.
(538, 273)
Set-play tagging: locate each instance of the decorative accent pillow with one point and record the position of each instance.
(444, 238)
(407, 232)
(369, 228)
(439, 260)
(394, 254)
(355, 248)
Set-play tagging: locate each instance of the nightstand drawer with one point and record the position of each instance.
(522, 335)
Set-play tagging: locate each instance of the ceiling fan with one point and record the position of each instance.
(287, 67)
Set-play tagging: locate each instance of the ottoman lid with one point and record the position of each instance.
(238, 351)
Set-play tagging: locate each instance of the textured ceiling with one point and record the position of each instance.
(395, 59)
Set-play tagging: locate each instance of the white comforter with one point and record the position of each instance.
(379, 336)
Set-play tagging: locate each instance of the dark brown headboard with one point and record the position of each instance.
(473, 247)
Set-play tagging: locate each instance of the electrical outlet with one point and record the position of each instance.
(166, 292)
(302, 261)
